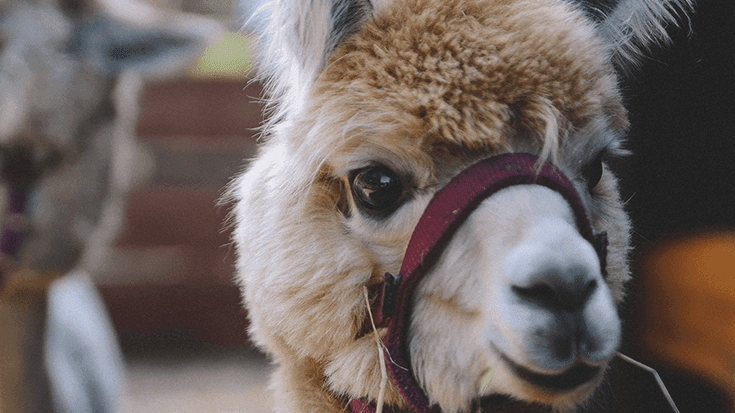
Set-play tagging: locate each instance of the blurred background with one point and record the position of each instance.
(169, 288)
(680, 187)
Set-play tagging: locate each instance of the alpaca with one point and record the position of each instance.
(375, 205)
(71, 73)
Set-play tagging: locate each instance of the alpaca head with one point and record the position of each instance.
(70, 76)
(378, 105)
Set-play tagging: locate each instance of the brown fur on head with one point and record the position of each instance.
(424, 88)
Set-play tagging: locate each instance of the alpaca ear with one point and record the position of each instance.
(632, 26)
(297, 36)
(127, 35)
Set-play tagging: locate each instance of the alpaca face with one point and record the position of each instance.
(373, 120)
(60, 64)
(39, 105)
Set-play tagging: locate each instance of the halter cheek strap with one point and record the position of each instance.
(449, 208)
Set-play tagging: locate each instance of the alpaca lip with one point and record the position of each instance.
(570, 379)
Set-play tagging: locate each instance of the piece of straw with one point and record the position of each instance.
(381, 354)
(655, 374)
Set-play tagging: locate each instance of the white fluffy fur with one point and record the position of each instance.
(636, 25)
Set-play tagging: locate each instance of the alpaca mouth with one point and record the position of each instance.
(23, 163)
(570, 379)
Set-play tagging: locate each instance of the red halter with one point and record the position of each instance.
(445, 213)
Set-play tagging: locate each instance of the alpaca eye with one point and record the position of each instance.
(592, 171)
(377, 190)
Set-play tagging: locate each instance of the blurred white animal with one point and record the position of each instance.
(70, 76)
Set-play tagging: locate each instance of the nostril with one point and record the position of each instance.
(589, 289)
(558, 296)
(542, 294)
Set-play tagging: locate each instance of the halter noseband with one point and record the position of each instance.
(449, 208)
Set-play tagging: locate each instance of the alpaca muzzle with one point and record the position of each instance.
(449, 208)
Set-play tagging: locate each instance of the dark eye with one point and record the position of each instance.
(592, 171)
(377, 190)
